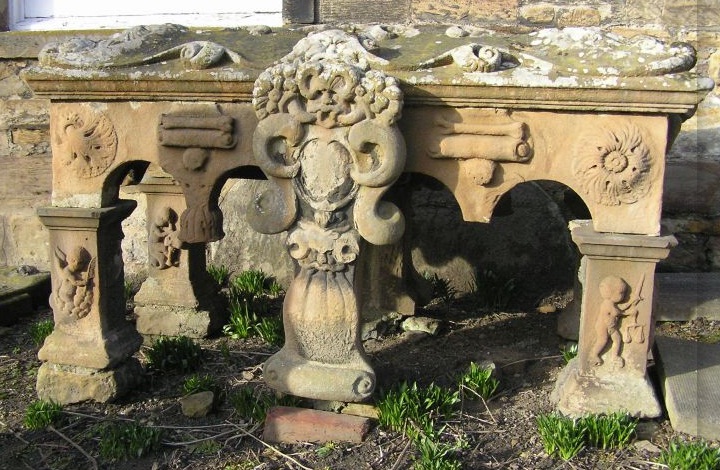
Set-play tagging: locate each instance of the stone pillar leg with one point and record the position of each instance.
(328, 142)
(616, 326)
(178, 297)
(89, 354)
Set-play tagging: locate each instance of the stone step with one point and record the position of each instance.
(685, 296)
(22, 290)
(690, 379)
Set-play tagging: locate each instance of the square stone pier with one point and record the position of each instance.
(333, 117)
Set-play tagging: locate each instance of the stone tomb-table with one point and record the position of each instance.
(333, 117)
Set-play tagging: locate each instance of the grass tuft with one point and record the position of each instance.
(491, 290)
(416, 412)
(250, 294)
(480, 381)
(178, 353)
(219, 274)
(122, 441)
(41, 414)
(565, 437)
(569, 352)
(690, 456)
(561, 436)
(40, 330)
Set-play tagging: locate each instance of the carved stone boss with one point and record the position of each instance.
(328, 142)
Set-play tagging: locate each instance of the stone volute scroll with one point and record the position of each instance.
(328, 142)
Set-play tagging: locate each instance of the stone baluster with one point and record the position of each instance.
(328, 142)
(616, 325)
(88, 356)
(178, 297)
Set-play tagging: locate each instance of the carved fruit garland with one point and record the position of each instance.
(613, 166)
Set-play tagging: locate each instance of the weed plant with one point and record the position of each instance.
(480, 382)
(40, 330)
(441, 288)
(249, 297)
(253, 405)
(613, 431)
(566, 437)
(690, 456)
(416, 412)
(178, 353)
(569, 352)
(219, 274)
(41, 414)
(122, 441)
(491, 290)
(200, 383)
(561, 436)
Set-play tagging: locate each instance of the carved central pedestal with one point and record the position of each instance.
(327, 138)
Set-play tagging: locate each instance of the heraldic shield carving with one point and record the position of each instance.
(328, 143)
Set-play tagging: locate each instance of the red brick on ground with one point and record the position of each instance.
(290, 425)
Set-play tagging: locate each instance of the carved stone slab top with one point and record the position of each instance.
(420, 57)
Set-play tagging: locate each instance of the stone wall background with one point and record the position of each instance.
(443, 244)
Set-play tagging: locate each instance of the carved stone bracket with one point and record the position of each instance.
(327, 139)
(487, 135)
(191, 139)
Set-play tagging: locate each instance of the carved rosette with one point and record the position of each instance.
(327, 139)
(87, 142)
(613, 165)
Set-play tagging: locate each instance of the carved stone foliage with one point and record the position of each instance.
(488, 135)
(616, 321)
(87, 141)
(613, 165)
(327, 139)
(139, 45)
(163, 242)
(74, 294)
(191, 139)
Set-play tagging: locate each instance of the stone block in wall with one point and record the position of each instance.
(691, 14)
(465, 11)
(643, 11)
(691, 186)
(11, 85)
(579, 16)
(538, 14)
(369, 11)
(24, 113)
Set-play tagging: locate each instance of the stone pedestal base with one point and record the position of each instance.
(165, 320)
(72, 384)
(577, 394)
(292, 374)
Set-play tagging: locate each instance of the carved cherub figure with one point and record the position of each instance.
(607, 324)
(74, 294)
(164, 244)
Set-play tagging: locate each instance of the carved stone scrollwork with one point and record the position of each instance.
(487, 135)
(87, 142)
(613, 165)
(74, 294)
(327, 139)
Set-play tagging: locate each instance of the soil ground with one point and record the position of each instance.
(501, 435)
